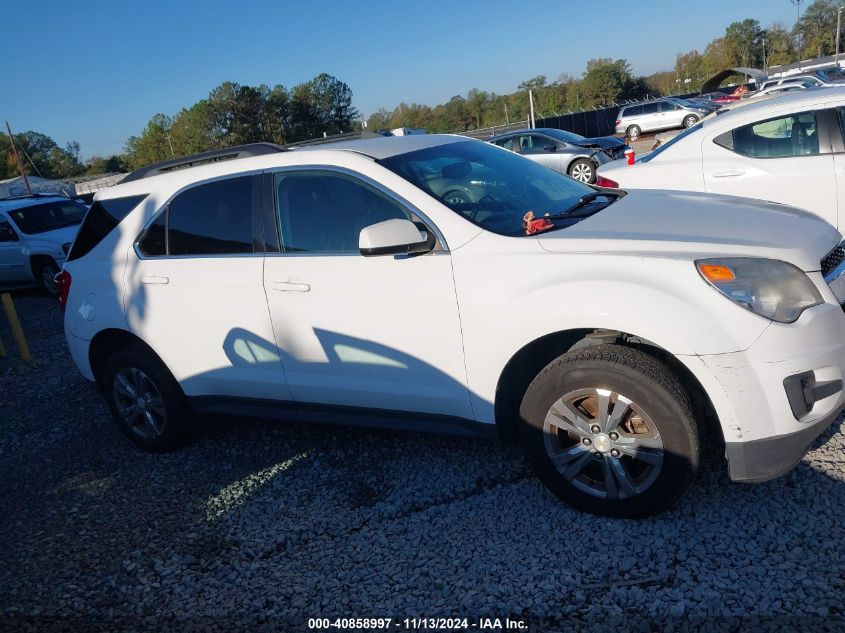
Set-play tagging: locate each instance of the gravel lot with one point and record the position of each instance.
(265, 525)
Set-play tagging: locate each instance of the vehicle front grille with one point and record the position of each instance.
(835, 257)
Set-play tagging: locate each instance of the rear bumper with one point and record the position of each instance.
(761, 460)
(79, 353)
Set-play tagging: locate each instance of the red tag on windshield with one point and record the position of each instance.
(534, 225)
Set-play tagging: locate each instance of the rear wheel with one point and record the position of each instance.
(633, 132)
(145, 400)
(583, 170)
(610, 431)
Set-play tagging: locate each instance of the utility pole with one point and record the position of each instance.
(765, 65)
(531, 104)
(797, 4)
(172, 154)
(18, 158)
(507, 118)
(838, 22)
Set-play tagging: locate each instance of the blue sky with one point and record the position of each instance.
(95, 72)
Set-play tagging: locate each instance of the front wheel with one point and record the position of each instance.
(583, 170)
(45, 273)
(633, 132)
(610, 431)
(690, 120)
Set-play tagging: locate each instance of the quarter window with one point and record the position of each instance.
(793, 135)
(321, 212)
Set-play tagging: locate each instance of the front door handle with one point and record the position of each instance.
(728, 173)
(155, 280)
(290, 286)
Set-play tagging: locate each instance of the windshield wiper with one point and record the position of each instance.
(583, 201)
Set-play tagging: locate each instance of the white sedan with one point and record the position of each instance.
(789, 149)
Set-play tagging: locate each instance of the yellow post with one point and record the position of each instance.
(17, 331)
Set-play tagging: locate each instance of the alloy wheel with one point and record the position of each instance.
(48, 279)
(582, 172)
(603, 443)
(139, 403)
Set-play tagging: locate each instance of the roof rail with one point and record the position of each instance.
(335, 138)
(213, 156)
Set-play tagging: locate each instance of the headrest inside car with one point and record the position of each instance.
(456, 171)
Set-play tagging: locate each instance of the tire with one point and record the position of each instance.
(596, 471)
(456, 197)
(633, 132)
(134, 369)
(690, 120)
(45, 272)
(583, 170)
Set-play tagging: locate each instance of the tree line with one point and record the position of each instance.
(234, 114)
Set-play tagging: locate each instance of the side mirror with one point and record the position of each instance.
(394, 237)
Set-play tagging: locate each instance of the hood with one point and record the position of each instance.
(56, 236)
(602, 142)
(691, 225)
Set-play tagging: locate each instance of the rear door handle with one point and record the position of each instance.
(728, 173)
(290, 286)
(155, 280)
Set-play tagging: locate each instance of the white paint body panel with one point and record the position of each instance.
(695, 163)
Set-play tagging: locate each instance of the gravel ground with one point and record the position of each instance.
(265, 525)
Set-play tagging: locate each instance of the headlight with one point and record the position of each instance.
(773, 289)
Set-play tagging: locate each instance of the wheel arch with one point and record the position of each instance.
(529, 360)
(105, 343)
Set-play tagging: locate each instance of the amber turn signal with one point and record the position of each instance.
(715, 273)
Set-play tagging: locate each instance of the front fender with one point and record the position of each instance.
(529, 296)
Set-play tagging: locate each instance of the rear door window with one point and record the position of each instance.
(650, 108)
(209, 219)
(101, 219)
(212, 219)
(781, 137)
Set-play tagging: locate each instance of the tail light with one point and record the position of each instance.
(63, 283)
(618, 121)
(601, 181)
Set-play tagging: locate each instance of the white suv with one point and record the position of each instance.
(342, 283)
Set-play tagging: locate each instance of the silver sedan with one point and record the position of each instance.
(565, 152)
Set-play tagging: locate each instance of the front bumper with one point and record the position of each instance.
(753, 392)
(761, 460)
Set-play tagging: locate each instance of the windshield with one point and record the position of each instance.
(41, 218)
(492, 187)
(563, 135)
(664, 146)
